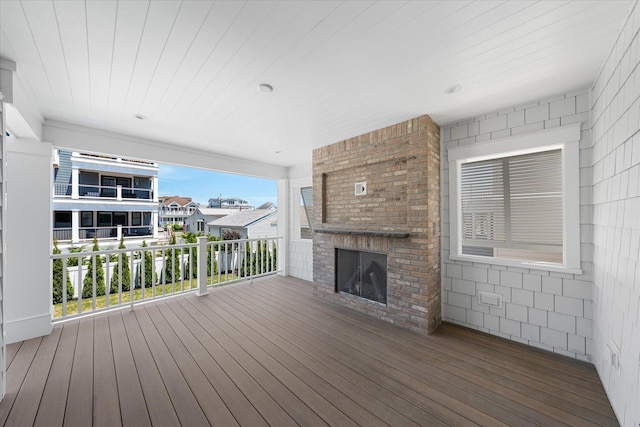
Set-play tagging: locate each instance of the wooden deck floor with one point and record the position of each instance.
(269, 353)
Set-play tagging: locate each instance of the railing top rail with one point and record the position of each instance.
(155, 248)
(118, 251)
(253, 239)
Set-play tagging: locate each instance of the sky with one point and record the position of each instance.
(202, 185)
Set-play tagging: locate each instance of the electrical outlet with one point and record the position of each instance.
(614, 355)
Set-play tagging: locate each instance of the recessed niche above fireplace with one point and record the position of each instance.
(361, 273)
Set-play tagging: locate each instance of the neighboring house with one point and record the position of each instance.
(103, 196)
(267, 205)
(305, 229)
(197, 222)
(175, 210)
(249, 224)
(229, 203)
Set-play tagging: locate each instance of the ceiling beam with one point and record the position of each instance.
(86, 139)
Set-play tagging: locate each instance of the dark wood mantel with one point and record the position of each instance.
(390, 234)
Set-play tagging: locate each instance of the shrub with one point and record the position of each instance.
(87, 287)
(262, 260)
(126, 271)
(191, 267)
(177, 227)
(210, 251)
(73, 262)
(57, 278)
(172, 263)
(148, 269)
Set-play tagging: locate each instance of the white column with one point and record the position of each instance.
(283, 225)
(119, 233)
(119, 192)
(75, 226)
(154, 224)
(2, 240)
(7, 68)
(154, 188)
(27, 290)
(75, 179)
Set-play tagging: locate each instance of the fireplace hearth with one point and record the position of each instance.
(361, 273)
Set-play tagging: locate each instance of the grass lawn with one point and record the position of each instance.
(101, 302)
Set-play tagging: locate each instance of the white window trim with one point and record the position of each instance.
(296, 185)
(566, 138)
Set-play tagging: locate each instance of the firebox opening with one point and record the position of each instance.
(363, 274)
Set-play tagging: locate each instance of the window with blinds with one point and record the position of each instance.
(512, 207)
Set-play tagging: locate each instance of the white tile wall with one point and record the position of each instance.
(539, 308)
(615, 155)
(300, 256)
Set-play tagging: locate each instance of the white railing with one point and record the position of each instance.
(62, 190)
(114, 192)
(62, 234)
(168, 213)
(88, 233)
(86, 191)
(98, 281)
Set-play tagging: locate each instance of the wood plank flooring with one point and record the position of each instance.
(270, 353)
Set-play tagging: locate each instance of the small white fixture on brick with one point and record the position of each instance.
(490, 299)
(361, 188)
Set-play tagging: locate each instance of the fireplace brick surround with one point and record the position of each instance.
(398, 216)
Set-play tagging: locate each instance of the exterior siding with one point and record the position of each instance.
(615, 100)
(549, 310)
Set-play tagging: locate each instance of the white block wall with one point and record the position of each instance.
(544, 309)
(616, 216)
(300, 259)
(3, 349)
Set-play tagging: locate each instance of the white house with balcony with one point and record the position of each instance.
(104, 197)
(229, 203)
(175, 210)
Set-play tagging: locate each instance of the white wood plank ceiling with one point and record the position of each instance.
(339, 69)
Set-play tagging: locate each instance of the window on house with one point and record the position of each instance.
(515, 200)
(104, 219)
(306, 205)
(86, 219)
(120, 218)
(125, 183)
(108, 186)
(136, 218)
(62, 219)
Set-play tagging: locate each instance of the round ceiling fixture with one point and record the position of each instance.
(141, 116)
(265, 88)
(452, 89)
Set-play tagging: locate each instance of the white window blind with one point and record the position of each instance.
(512, 207)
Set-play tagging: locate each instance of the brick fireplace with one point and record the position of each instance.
(380, 193)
